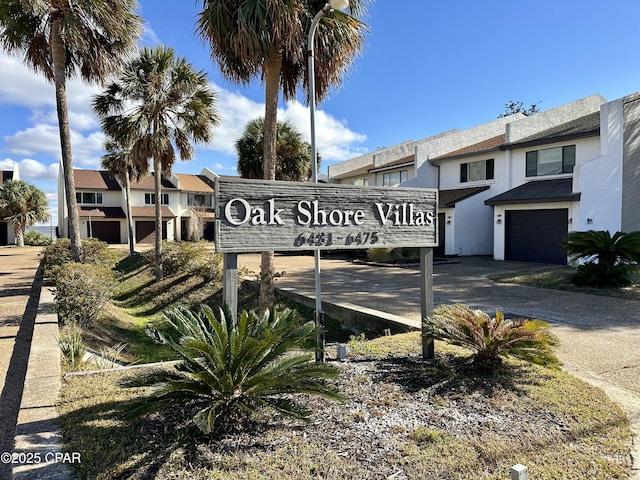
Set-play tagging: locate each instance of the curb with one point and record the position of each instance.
(37, 439)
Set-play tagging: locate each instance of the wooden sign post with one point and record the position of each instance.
(258, 215)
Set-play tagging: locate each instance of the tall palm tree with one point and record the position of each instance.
(116, 161)
(22, 204)
(160, 103)
(60, 39)
(293, 154)
(253, 38)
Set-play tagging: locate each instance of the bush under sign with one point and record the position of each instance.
(258, 215)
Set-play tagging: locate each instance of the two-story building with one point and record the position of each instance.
(186, 207)
(514, 187)
(7, 234)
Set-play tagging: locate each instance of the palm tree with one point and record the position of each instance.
(116, 162)
(22, 204)
(293, 154)
(60, 39)
(607, 259)
(230, 370)
(492, 338)
(159, 104)
(254, 38)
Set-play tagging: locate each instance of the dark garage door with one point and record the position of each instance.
(106, 231)
(536, 235)
(146, 231)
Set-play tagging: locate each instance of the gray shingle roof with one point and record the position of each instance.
(449, 198)
(539, 191)
(586, 126)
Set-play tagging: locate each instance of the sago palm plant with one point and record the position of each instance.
(608, 260)
(228, 369)
(491, 338)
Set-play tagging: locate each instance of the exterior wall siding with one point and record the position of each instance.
(631, 167)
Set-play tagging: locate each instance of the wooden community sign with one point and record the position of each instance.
(258, 215)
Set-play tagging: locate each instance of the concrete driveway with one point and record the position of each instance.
(599, 335)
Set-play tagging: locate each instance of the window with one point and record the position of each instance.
(150, 199)
(476, 171)
(362, 182)
(93, 198)
(394, 178)
(551, 161)
(199, 200)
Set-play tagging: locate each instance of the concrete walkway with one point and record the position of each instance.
(599, 335)
(29, 371)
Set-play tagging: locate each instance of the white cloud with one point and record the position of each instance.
(7, 164)
(39, 138)
(334, 138)
(45, 139)
(32, 170)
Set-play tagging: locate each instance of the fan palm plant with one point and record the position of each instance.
(489, 338)
(159, 104)
(60, 39)
(228, 370)
(293, 154)
(607, 260)
(22, 204)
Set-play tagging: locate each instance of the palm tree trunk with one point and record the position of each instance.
(272, 69)
(19, 231)
(58, 54)
(127, 194)
(157, 174)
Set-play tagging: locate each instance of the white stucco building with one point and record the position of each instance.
(7, 234)
(512, 188)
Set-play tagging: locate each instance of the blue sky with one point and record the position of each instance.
(427, 67)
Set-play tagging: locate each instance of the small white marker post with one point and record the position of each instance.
(519, 472)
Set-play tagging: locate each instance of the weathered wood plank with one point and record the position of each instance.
(256, 215)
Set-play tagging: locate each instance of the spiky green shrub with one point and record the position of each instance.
(33, 237)
(607, 261)
(491, 338)
(230, 370)
(72, 347)
(81, 291)
(184, 258)
(57, 254)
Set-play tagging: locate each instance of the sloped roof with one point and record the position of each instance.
(194, 183)
(94, 180)
(538, 191)
(449, 198)
(150, 212)
(585, 126)
(488, 145)
(146, 183)
(395, 164)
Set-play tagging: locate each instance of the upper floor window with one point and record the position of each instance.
(551, 161)
(150, 199)
(93, 198)
(362, 182)
(199, 200)
(476, 171)
(395, 178)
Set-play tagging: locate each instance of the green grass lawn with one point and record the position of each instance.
(559, 278)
